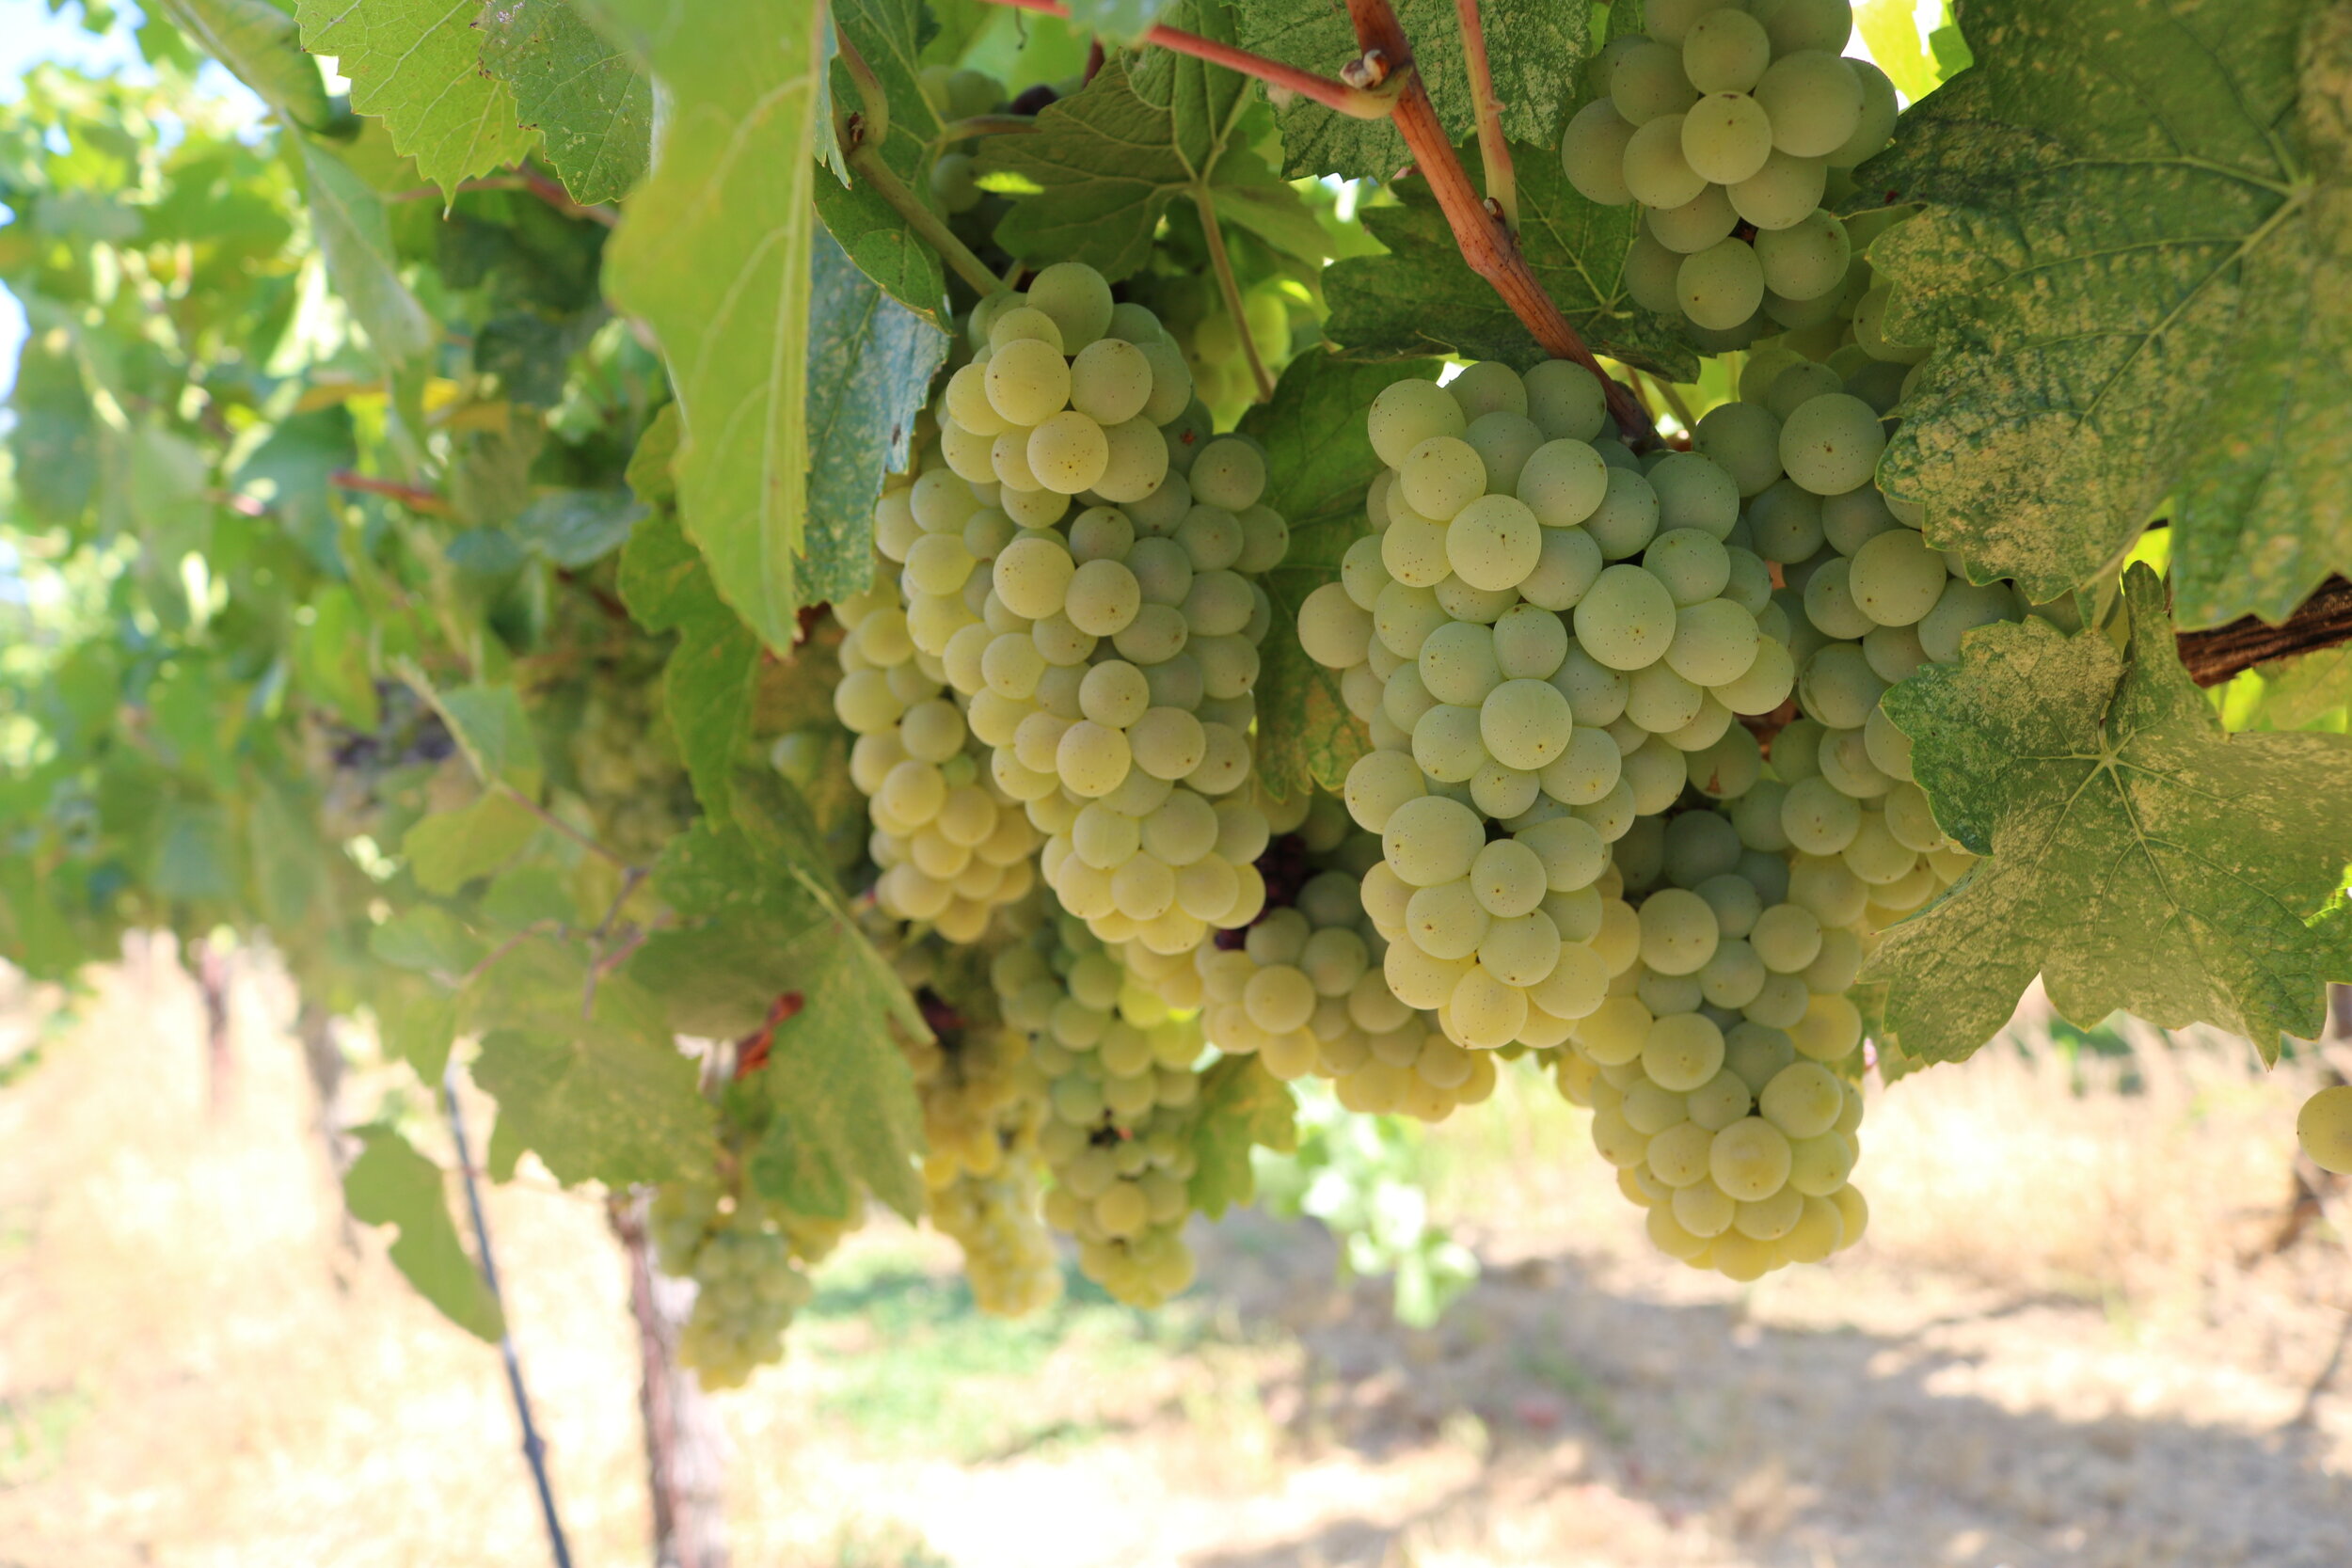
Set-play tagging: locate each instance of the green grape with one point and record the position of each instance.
(1627, 620)
(1488, 386)
(1592, 153)
(1586, 771)
(1657, 171)
(1750, 1160)
(1679, 932)
(1627, 519)
(1405, 414)
(1854, 519)
(1432, 839)
(1565, 401)
(1744, 441)
(1135, 461)
(1794, 24)
(1715, 644)
(1909, 818)
(1876, 124)
(1075, 296)
(1876, 855)
(1815, 101)
(1799, 385)
(1032, 576)
(1493, 543)
(2323, 1129)
(1690, 562)
(1378, 784)
(1229, 472)
(1806, 260)
(1650, 271)
(1022, 323)
(1721, 287)
(1457, 663)
(1566, 564)
(1698, 223)
(1829, 601)
(1782, 194)
(1845, 762)
(952, 182)
(1524, 724)
(1817, 818)
(1562, 483)
(1028, 381)
(1529, 642)
(1727, 137)
(1832, 444)
(1403, 616)
(1110, 381)
(1092, 758)
(1838, 687)
(1725, 51)
(1447, 744)
(1895, 578)
(1647, 84)
(1067, 453)
(1662, 701)
(1671, 20)
(1171, 383)
(1695, 493)
(1963, 606)
(1440, 476)
(1503, 441)
(1332, 628)
(1683, 1053)
(1485, 1011)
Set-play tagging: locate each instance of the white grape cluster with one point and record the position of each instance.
(747, 1263)
(1303, 988)
(1712, 1065)
(1112, 1057)
(1106, 656)
(952, 846)
(1726, 122)
(1544, 634)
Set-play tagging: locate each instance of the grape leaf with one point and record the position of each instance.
(2139, 858)
(489, 723)
(390, 1183)
(711, 677)
(1321, 461)
(1242, 1106)
(427, 940)
(1534, 48)
(355, 242)
(714, 253)
(577, 528)
(2309, 690)
(2132, 269)
(53, 426)
(870, 362)
(605, 1096)
(450, 848)
(418, 64)
(765, 920)
(263, 47)
(592, 107)
(1103, 164)
(1422, 298)
(869, 228)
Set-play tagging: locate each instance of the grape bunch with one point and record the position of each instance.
(1725, 122)
(1106, 656)
(747, 1261)
(1112, 1057)
(627, 767)
(1546, 639)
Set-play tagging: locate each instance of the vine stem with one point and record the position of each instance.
(861, 136)
(1230, 288)
(1484, 240)
(414, 497)
(1494, 150)
(1355, 102)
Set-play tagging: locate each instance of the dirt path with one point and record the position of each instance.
(2040, 1365)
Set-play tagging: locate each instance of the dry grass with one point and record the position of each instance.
(2063, 1344)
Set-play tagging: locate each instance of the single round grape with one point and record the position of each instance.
(1431, 840)
(1817, 818)
(1661, 700)
(1067, 453)
(1682, 1052)
(1447, 745)
(2323, 1128)
(1671, 20)
(1815, 100)
(1656, 170)
(1135, 463)
(1895, 578)
(1805, 261)
(1722, 286)
(1022, 323)
(1110, 381)
(1830, 1030)
(1645, 83)
(1745, 441)
(1565, 401)
(1679, 932)
(1332, 628)
(1876, 855)
(1715, 644)
(1028, 381)
(1592, 153)
(1171, 383)
(1493, 543)
(1508, 879)
(1695, 492)
(1839, 688)
(1487, 1012)
(1503, 441)
(1690, 562)
(1032, 576)
(1725, 51)
(1782, 194)
(1562, 483)
(1698, 223)
(1749, 1160)
(1832, 444)
(1963, 608)
(1626, 519)
(1403, 616)
(1650, 270)
(1405, 414)
(1880, 108)
(1378, 784)
(1566, 564)
(1457, 663)
(1794, 24)
(1732, 978)
(1440, 476)
(1219, 604)
(1627, 620)
(1229, 472)
(1524, 724)
(1487, 387)
(1076, 297)
(1727, 137)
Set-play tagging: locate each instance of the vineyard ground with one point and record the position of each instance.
(2066, 1343)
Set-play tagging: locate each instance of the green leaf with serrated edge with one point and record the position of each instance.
(490, 726)
(426, 940)
(592, 107)
(356, 240)
(2133, 270)
(1249, 195)
(711, 679)
(1106, 161)
(1534, 48)
(763, 922)
(792, 1169)
(390, 1183)
(1422, 298)
(1118, 20)
(1320, 462)
(873, 233)
(714, 254)
(2139, 858)
(577, 528)
(415, 1023)
(450, 848)
(607, 1097)
(262, 46)
(1242, 1106)
(870, 363)
(195, 854)
(418, 65)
